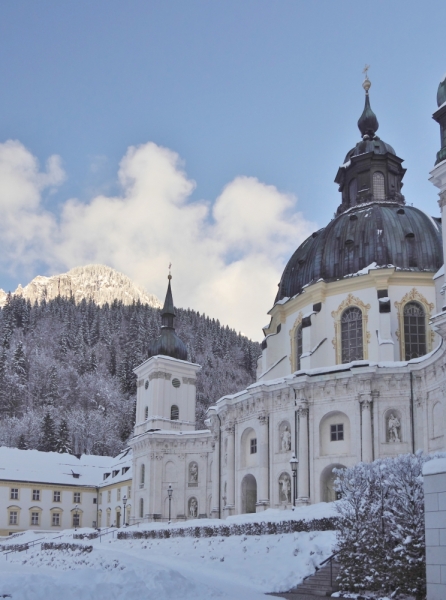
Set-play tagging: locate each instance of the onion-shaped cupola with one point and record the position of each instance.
(440, 117)
(372, 225)
(168, 343)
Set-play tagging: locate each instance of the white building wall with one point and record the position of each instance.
(435, 519)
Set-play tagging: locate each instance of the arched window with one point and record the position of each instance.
(353, 191)
(298, 345)
(142, 475)
(146, 413)
(379, 192)
(174, 413)
(141, 508)
(351, 335)
(414, 330)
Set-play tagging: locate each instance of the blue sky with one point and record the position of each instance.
(262, 89)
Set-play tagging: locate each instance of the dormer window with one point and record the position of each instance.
(115, 472)
(106, 475)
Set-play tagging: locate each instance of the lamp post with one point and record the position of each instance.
(294, 462)
(124, 502)
(169, 493)
(76, 517)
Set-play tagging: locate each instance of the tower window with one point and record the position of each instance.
(141, 508)
(353, 191)
(351, 335)
(337, 432)
(146, 413)
(142, 476)
(298, 346)
(379, 192)
(414, 331)
(253, 446)
(174, 413)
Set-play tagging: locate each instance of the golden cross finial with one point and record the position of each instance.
(365, 71)
(170, 274)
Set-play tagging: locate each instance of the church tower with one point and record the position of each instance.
(166, 387)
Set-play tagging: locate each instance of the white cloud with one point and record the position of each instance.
(227, 256)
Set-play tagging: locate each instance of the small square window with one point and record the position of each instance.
(13, 517)
(56, 496)
(56, 519)
(36, 495)
(253, 446)
(76, 497)
(95, 500)
(337, 432)
(14, 494)
(34, 518)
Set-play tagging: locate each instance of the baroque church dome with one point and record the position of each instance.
(373, 224)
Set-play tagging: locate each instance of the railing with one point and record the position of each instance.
(324, 562)
(22, 547)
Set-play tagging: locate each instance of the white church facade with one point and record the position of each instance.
(353, 363)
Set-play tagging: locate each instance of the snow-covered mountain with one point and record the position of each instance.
(92, 282)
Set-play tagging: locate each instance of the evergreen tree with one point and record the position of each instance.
(22, 443)
(19, 363)
(48, 434)
(63, 438)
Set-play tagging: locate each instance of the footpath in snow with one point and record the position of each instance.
(234, 567)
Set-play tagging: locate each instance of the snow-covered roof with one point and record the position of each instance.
(62, 469)
(435, 466)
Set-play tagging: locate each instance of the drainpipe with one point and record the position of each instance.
(97, 508)
(219, 467)
(412, 425)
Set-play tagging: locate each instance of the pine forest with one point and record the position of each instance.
(66, 370)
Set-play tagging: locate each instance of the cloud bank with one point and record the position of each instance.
(227, 255)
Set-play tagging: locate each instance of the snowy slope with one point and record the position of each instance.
(92, 282)
(236, 567)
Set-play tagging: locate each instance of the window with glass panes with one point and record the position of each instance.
(55, 520)
(298, 346)
(76, 497)
(414, 331)
(337, 432)
(34, 518)
(14, 494)
(351, 335)
(36, 495)
(253, 446)
(13, 517)
(56, 496)
(379, 192)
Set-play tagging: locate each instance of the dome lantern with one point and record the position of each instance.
(440, 117)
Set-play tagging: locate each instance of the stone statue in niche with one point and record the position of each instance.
(393, 428)
(193, 508)
(286, 439)
(193, 473)
(285, 488)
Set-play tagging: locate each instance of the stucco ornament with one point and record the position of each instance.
(393, 428)
(286, 440)
(285, 488)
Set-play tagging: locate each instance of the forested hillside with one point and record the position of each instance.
(66, 379)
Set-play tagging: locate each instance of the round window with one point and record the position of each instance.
(147, 384)
(176, 383)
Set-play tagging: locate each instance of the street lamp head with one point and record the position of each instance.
(170, 491)
(294, 462)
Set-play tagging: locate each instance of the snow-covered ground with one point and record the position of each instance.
(236, 567)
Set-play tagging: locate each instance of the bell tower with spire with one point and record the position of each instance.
(166, 388)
